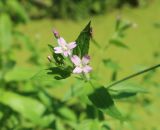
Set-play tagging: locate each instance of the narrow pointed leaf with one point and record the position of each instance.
(128, 87)
(82, 41)
(118, 43)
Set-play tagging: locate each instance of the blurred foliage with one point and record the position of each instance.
(77, 9)
(14, 106)
(74, 9)
(14, 9)
(25, 100)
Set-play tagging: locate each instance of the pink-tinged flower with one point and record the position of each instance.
(56, 34)
(64, 48)
(81, 65)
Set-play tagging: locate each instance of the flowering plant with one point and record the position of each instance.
(73, 58)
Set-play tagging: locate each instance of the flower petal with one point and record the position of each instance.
(85, 59)
(72, 45)
(61, 41)
(69, 52)
(87, 69)
(76, 60)
(66, 53)
(77, 70)
(58, 50)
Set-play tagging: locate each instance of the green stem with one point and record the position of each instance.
(133, 75)
(88, 80)
(91, 84)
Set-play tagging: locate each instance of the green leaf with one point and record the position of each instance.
(82, 41)
(67, 113)
(45, 98)
(50, 78)
(111, 64)
(60, 73)
(125, 25)
(102, 99)
(89, 125)
(128, 87)
(126, 90)
(46, 120)
(20, 74)
(118, 43)
(5, 33)
(17, 10)
(28, 108)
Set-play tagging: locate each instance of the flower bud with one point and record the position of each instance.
(49, 58)
(56, 34)
(91, 32)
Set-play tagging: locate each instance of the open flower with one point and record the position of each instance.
(81, 65)
(64, 48)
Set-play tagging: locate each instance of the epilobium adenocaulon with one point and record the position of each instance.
(81, 65)
(64, 47)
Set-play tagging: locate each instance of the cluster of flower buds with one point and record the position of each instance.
(66, 49)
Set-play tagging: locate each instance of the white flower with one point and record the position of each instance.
(81, 65)
(64, 48)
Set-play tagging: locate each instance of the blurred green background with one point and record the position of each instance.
(25, 32)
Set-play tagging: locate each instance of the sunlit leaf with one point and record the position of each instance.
(29, 108)
(67, 113)
(89, 125)
(126, 90)
(5, 32)
(128, 87)
(20, 73)
(46, 120)
(48, 77)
